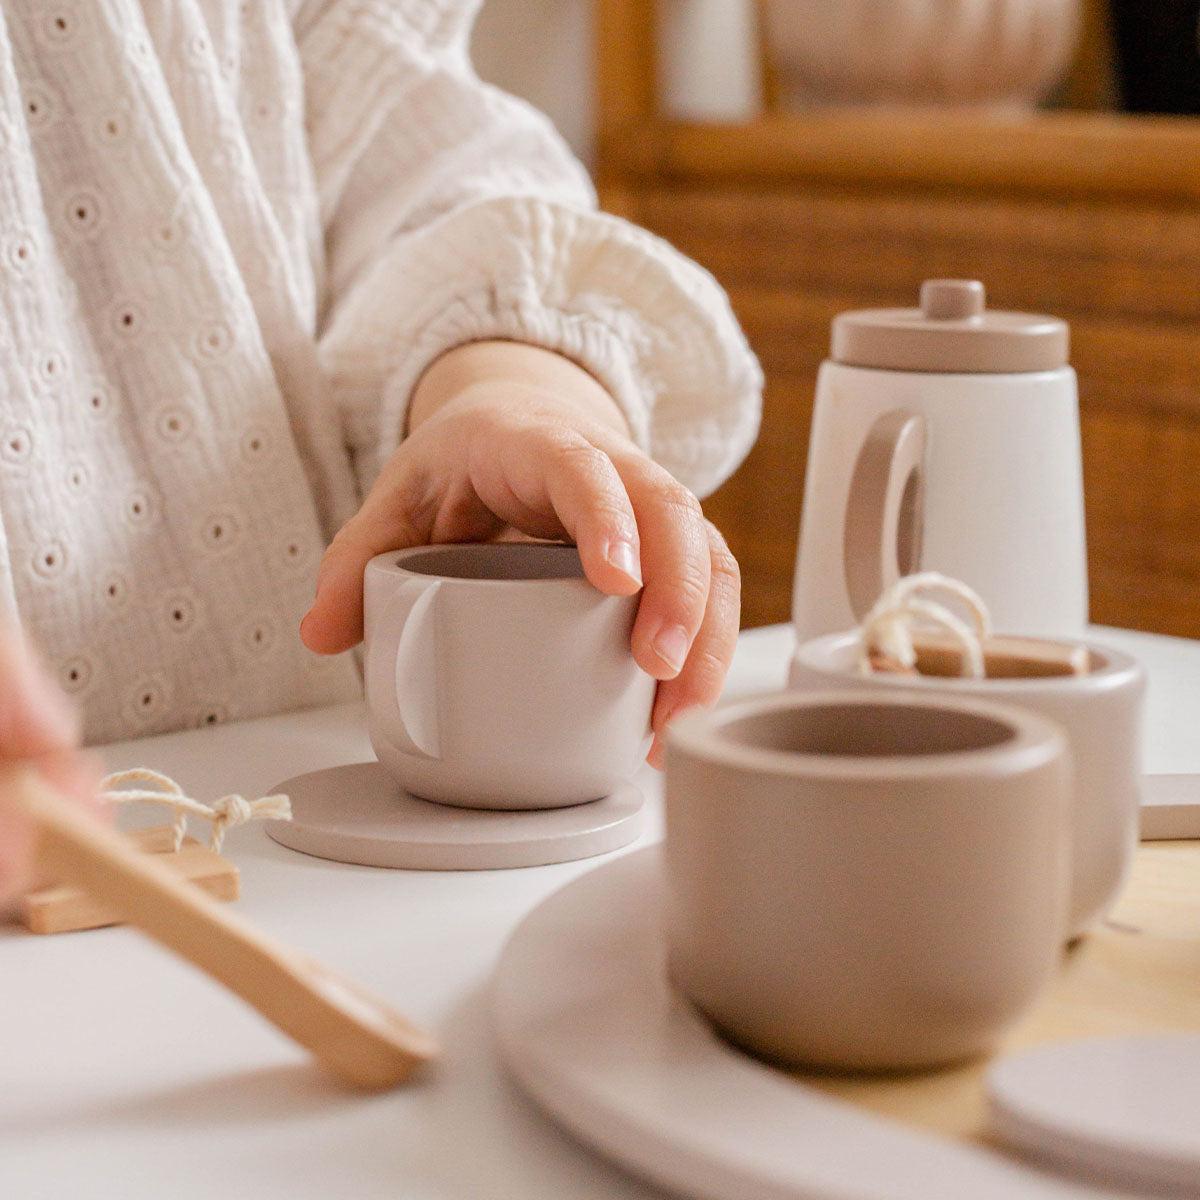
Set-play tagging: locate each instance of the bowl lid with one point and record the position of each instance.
(952, 331)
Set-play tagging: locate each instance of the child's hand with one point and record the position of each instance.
(37, 724)
(509, 435)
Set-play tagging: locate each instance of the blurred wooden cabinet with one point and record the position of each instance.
(1093, 217)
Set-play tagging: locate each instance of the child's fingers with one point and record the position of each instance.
(591, 502)
(676, 567)
(335, 621)
(77, 776)
(37, 723)
(16, 844)
(74, 775)
(36, 718)
(699, 683)
(384, 522)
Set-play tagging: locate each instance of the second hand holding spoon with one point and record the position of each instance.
(355, 1035)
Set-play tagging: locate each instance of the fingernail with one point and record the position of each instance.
(671, 645)
(624, 557)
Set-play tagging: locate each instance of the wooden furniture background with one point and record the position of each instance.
(1094, 217)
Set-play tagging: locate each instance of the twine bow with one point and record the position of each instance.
(888, 627)
(224, 814)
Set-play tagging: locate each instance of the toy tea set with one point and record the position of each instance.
(875, 871)
(506, 711)
(900, 866)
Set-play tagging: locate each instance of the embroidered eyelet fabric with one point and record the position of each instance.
(232, 235)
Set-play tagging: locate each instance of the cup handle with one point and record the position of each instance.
(884, 511)
(401, 675)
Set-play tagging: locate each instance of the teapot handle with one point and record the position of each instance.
(884, 510)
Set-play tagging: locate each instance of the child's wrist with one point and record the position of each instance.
(475, 365)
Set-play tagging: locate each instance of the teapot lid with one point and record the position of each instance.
(951, 331)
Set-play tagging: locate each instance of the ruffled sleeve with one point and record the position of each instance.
(454, 212)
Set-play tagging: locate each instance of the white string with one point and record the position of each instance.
(224, 813)
(888, 627)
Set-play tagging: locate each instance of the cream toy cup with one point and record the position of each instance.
(498, 677)
(1101, 714)
(865, 882)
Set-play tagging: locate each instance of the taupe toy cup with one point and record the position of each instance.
(865, 883)
(1101, 713)
(498, 677)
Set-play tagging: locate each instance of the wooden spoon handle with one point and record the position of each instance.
(352, 1033)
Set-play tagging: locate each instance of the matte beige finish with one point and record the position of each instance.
(360, 814)
(948, 444)
(951, 331)
(498, 677)
(1136, 974)
(352, 1033)
(1101, 713)
(590, 1028)
(884, 517)
(63, 908)
(861, 882)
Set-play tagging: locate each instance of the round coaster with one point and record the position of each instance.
(359, 814)
(1122, 1109)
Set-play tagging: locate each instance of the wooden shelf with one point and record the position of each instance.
(1048, 154)
(1091, 216)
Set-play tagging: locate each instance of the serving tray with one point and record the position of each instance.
(591, 1029)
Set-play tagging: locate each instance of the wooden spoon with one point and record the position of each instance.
(355, 1035)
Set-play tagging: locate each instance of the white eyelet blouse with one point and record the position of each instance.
(231, 237)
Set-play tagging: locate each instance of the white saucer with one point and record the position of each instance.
(358, 814)
(590, 1028)
(1121, 1109)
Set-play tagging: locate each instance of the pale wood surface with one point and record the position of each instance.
(1138, 973)
(357, 1037)
(63, 908)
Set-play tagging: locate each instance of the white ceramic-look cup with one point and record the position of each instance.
(1101, 713)
(865, 883)
(498, 677)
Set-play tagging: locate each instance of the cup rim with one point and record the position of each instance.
(391, 562)
(701, 735)
(1118, 670)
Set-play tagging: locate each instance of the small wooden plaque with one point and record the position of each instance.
(60, 908)
(1005, 657)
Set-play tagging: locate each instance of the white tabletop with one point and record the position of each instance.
(124, 1073)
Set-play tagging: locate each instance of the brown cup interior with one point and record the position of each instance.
(867, 730)
(494, 561)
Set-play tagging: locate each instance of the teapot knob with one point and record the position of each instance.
(951, 299)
